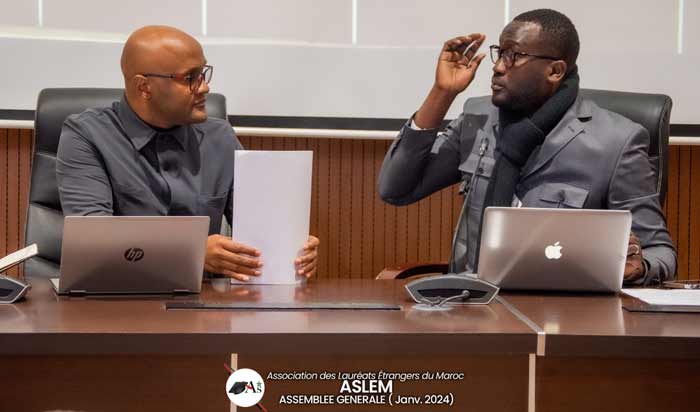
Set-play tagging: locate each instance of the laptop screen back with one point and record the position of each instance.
(133, 254)
(554, 249)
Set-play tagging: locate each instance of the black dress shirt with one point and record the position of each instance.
(110, 162)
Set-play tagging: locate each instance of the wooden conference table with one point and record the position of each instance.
(524, 352)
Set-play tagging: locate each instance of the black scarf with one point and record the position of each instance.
(519, 137)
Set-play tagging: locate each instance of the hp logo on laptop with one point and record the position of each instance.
(133, 254)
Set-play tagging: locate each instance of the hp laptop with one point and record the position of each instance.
(554, 249)
(132, 254)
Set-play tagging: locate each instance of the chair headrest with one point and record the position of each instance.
(56, 104)
(652, 111)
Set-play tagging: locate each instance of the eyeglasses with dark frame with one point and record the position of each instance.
(193, 79)
(510, 56)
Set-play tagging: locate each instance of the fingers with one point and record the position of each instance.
(470, 63)
(224, 255)
(463, 46)
(231, 258)
(634, 239)
(309, 257)
(634, 250)
(312, 243)
(239, 268)
(232, 270)
(467, 61)
(308, 269)
(237, 247)
(475, 62)
(634, 268)
(239, 261)
(634, 247)
(238, 276)
(306, 264)
(461, 42)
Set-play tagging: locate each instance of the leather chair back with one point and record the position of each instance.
(44, 215)
(653, 111)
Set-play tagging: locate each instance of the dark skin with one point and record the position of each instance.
(165, 103)
(526, 85)
(522, 88)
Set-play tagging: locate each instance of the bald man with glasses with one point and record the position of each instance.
(157, 153)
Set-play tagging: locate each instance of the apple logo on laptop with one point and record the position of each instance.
(553, 251)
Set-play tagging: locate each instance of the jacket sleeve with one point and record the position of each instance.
(420, 162)
(633, 188)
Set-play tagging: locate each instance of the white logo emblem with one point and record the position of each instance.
(245, 387)
(553, 251)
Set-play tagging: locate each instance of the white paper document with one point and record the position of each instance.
(666, 297)
(271, 209)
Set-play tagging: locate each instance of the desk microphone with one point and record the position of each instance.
(460, 288)
(457, 286)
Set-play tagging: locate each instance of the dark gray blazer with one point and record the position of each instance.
(593, 159)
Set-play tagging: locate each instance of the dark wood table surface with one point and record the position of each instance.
(597, 356)
(598, 325)
(46, 323)
(112, 353)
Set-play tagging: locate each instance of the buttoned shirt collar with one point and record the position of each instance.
(140, 133)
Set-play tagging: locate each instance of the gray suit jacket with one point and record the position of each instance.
(593, 159)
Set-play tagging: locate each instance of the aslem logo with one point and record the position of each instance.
(133, 254)
(245, 387)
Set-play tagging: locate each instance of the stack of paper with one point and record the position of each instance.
(271, 209)
(666, 297)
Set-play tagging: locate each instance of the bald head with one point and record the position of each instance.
(157, 48)
(158, 64)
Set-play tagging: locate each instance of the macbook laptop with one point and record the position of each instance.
(132, 254)
(554, 249)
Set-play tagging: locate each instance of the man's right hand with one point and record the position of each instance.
(454, 71)
(230, 258)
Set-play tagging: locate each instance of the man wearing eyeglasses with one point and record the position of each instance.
(155, 152)
(533, 143)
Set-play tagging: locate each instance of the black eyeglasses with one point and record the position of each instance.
(510, 56)
(194, 78)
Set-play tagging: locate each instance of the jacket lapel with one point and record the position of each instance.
(569, 127)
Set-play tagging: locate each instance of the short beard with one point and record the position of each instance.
(526, 102)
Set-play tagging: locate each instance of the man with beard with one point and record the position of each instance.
(533, 141)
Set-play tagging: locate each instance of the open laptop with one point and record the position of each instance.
(554, 249)
(132, 254)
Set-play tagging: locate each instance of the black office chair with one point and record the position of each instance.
(44, 215)
(653, 111)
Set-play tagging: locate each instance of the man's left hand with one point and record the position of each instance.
(634, 267)
(306, 264)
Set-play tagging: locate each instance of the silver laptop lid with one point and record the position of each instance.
(133, 254)
(554, 249)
